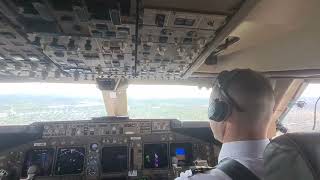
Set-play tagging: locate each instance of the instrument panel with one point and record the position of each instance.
(111, 149)
(89, 129)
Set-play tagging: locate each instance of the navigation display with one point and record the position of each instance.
(114, 159)
(155, 156)
(42, 158)
(181, 153)
(70, 161)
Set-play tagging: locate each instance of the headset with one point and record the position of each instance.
(221, 108)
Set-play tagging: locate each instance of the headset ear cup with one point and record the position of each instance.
(222, 111)
(218, 110)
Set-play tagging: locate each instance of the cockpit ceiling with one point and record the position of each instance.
(277, 36)
(81, 40)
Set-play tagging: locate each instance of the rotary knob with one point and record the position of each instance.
(201, 42)
(194, 52)
(161, 50)
(123, 46)
(181, 51)
(94, 147)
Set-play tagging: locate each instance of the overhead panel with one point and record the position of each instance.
(84, 40)
(19, 58)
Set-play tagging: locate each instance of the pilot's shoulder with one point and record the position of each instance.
(214, 174)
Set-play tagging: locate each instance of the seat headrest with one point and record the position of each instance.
(293, 156)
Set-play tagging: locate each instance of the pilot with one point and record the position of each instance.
(240, 109)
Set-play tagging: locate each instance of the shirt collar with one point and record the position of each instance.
(243, 149)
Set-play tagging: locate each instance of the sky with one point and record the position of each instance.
(312, 90)
(90, 90)
(133, 91)
(60, 89)
(166, 91)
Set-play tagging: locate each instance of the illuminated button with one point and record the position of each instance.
(18, 58)
(79, 132)
(33, 58)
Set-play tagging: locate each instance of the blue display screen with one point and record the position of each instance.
(180, 151)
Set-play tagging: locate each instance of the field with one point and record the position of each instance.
(26, 109)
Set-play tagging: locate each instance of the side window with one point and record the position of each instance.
(303, 111)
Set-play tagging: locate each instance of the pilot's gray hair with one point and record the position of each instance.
(253, 92)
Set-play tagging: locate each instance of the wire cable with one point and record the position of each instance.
(315, 114)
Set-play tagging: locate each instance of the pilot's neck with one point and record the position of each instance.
(232, 135)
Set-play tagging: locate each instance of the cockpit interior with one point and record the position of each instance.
(113, 44)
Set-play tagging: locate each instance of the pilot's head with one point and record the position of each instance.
(240, 106)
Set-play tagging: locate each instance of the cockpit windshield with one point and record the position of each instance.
(168, 101)
(25, 103)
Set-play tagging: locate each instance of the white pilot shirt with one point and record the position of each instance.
(248, 153)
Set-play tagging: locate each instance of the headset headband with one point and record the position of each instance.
(223, 81)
